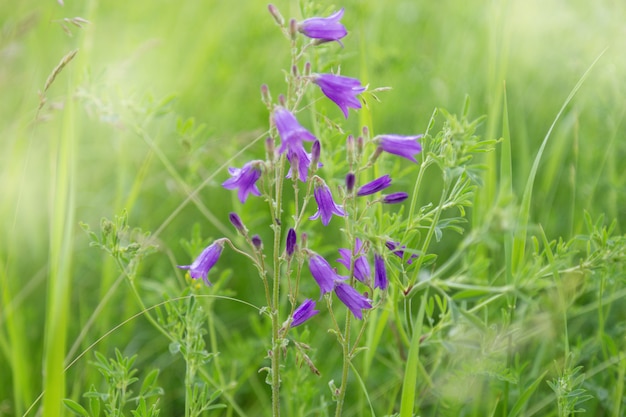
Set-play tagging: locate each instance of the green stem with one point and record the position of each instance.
(346, 367)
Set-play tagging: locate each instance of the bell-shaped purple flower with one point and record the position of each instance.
(361, 266)
(305, 311)
(205, 261)
(404, 146)
(290, 131)
(397, 249)
(326, 206)
(325, 29)
(374, 186)
(323, 273)
(342, 90)
(245, 179)
(395, 198)
(354, 300)
(380, 273)
(300, 161)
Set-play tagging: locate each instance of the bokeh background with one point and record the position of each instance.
(162, 94)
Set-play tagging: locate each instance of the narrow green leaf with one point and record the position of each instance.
(75, 407)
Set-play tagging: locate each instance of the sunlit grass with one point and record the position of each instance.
(161, 96)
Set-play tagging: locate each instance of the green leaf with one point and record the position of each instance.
(75, 407)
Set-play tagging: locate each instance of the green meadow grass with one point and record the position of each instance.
(521, 314)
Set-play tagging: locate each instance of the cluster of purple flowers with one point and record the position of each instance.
(303, 164)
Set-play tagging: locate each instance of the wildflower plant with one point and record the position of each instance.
(345, 201)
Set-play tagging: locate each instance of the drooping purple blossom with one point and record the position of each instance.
(397, 249)
(325, 29)
(290, 246)
(380, 273)
(245, 180)
(305, 311)
(374, 186)
(326, 206)
(290, 131)
(205, 261)
(300, 161)
(395, 198)
(341, 90)
(362, 270)
(404, 146)
(354, 300)
(323, 273)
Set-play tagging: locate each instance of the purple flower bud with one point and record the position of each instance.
(323, 273)
(326, 29)
(395, 198)
(404, 146)
(257, 242)
(380, 273)
(266, 97)
(361, 266)
(276, 14)
(350, 180)
(270, 149)
(245, 179)
(236, 221)
(305, 311)
(326, 207)
(291, 242)
(397, 249)
(316, 152)
(354, 300)
(293, 29)
(205, 261)
(374, 186)
(350, 153)
(342, 90)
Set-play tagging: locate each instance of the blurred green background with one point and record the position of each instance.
(161, 94)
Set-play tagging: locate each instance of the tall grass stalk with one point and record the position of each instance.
(62, 215)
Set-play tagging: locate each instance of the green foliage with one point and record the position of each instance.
(143, 118)
(117, 398)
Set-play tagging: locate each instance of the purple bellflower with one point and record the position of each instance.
(292, 134)
(245, 179)
(326, 29)
(323, 273)
(374, 186)
(300, 161)
(354, 300)
(404, 146)
(205, 261)
(361, 266)
(305, 311)
(326, 207)
(342, 90)
(397, 249)
(395, 198)
(380, 273)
